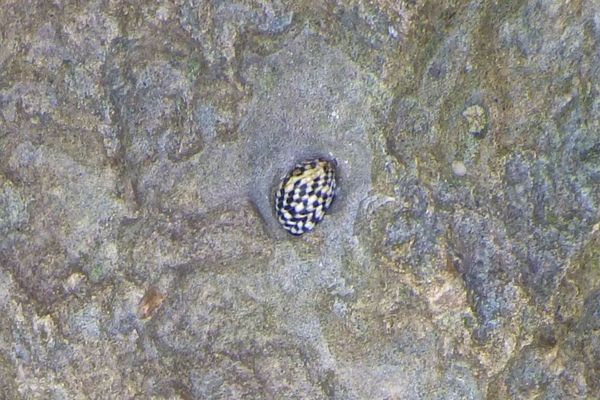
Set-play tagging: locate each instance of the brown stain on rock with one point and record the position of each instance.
(150, 302)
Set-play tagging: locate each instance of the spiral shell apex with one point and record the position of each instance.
(305, 194)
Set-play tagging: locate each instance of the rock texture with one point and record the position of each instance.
(140, 143)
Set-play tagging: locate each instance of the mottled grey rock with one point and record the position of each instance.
(140, 145)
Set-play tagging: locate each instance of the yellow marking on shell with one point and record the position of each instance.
(305, 176)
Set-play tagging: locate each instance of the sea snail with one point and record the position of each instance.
(305, 194)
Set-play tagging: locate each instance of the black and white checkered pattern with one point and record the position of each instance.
(305, 194)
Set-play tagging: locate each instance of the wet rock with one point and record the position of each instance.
(140, 146)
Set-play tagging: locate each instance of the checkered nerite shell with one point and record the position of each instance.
(305, 194)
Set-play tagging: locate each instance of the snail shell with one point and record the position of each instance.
(305, 194)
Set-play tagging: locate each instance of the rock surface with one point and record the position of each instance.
(140, 145)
